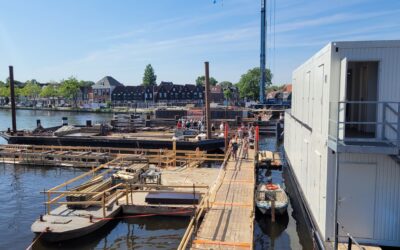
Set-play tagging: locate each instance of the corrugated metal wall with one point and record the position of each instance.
(305, 142)
(386, 199)
(315, 84)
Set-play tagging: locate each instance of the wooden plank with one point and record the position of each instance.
(228, 223)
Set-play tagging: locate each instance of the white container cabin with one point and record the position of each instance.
(345, 119)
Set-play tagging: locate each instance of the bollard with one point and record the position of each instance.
(38, 123)
(91, 218)
(65, 121)
(88, 123)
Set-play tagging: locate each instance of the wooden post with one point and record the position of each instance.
(207, 100)
(103, 201)
(257, 138)
(273, 209)
(12, 95)
(130, 189)
(48, 204)
(126, 193)
(174, 151)
(226, 136)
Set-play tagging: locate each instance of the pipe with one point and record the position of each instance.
(207, 97)
(12, 93)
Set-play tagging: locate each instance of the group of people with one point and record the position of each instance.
(243, 136)
(190, 124)
(197, 124)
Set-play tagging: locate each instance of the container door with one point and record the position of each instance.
(357, 199)
(342, 97)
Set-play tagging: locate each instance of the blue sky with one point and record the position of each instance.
(51, 40)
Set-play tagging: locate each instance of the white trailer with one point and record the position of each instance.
(345, 123)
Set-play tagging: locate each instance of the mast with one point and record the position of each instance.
(262, 51)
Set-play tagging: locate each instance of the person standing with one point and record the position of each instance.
(221, 127)
(235, 147)
(246, 148)
(179, 125)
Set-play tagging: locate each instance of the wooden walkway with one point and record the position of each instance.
(228, 223)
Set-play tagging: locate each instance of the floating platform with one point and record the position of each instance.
(268, 159)
(65, 224)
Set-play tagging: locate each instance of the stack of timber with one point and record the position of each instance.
(131, 174)
(88, 189)
(127, 122)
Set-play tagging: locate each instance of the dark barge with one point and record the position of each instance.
(108, 141)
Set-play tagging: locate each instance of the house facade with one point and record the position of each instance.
(102, 90)
(342, 140)
(165, 92)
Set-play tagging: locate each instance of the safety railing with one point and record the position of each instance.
(365, 122)
(208, 198)
(350, 239)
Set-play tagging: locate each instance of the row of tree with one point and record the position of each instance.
(68, 89)
(248, 84)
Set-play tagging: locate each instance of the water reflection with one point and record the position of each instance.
(159, 232)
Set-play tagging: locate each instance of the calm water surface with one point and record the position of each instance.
(21, 203)
(289, 231)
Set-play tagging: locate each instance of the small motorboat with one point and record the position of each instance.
(266, 193)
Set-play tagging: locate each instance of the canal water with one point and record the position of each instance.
(289, 231)
(21, 203)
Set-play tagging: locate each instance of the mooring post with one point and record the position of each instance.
(126, 193)
(226, 136)
(174, 150)
(207, 99)
(12, 97)
(257, 139)
(273, 210)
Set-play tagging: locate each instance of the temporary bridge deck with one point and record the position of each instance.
(224, 219)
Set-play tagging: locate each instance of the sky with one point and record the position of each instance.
(51, 40)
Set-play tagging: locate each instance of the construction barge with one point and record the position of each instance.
(127, 132)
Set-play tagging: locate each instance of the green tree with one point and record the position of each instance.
(4, 91)
(225, 84)
(31, 90)
(149, 78)
(51, 92)
(202, 79)
(228, 94)
(86, 83)
(249, 83)
(273, 88)
(70, 89)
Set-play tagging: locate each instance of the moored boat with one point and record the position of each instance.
(266, 193)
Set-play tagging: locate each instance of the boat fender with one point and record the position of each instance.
(271, 186)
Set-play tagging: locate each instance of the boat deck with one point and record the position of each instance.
(228, 223)
(64, 223)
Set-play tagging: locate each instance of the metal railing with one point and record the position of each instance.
(365, 122)
(350, 241)
(204, 205)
